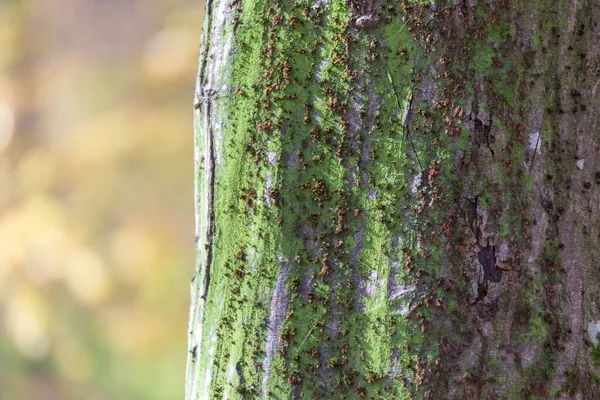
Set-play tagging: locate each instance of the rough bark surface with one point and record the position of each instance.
(397, 199)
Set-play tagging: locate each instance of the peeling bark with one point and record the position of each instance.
(278, 307)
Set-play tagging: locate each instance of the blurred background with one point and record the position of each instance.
(96, 196)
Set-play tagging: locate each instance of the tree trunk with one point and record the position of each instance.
(397, 200)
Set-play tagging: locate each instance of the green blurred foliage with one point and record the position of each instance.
(96, 189)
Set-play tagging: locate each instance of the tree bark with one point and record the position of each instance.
(396, 200)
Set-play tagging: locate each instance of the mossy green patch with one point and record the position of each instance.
(596, 352)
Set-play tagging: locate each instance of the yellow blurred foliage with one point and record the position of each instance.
(74, 360)
(25, 320)
(96, 197)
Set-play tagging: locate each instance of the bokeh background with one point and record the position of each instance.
(96, 196)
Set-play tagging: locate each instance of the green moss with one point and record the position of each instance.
(463, 143)
(596, 352)
(550, 250)
(481, 62)
(538, 329)
(452, 306)
(537, 41)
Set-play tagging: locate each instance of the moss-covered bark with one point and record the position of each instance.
(397, 199)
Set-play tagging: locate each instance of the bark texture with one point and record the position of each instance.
(397, 199)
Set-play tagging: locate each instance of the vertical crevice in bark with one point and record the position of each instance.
(210, 199)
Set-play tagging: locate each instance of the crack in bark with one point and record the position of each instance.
(483, 127)
(484, 248)
(487, 258)
(211, 202)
